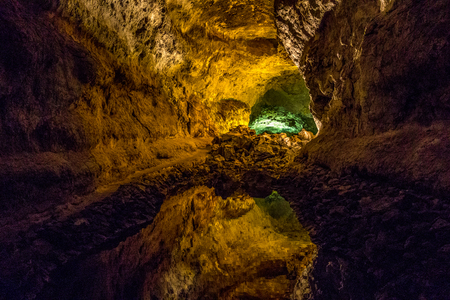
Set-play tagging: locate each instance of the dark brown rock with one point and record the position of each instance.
(376, 74)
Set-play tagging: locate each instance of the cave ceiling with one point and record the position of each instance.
(100, 82)
(105, 80)
(202, 51)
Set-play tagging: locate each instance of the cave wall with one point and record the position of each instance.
(92, 91)
(87, 96)
(202, 51)
(378, 75)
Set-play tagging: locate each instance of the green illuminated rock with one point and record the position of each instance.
(276, 119)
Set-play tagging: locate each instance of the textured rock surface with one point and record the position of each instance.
(375, 240)
(297, 23)
(74, 116)
(203, 51)
(41, 257)
(242, 150)
(377, 71)
(91, 90)
(275, 119)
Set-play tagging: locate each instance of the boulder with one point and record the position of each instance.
(238, 205)
(262, 152)
(227, 151)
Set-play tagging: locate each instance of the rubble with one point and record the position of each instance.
(241, 148)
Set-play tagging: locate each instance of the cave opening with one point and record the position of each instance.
(283, 108)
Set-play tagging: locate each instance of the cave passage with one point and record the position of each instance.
(276, 119)
(284, 108)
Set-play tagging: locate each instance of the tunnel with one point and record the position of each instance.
(251, 149)
(283, 108)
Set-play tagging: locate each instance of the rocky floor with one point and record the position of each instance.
(240, 151)
(31, 257)
(376, 240)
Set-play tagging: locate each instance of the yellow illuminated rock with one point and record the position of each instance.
(109, 108)
(231, 248)
(100, 86)
(206, 246)
(203, 52)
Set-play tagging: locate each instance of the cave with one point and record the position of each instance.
(284, 107)
(254, 149)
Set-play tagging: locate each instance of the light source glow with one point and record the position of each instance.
(275, 119)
